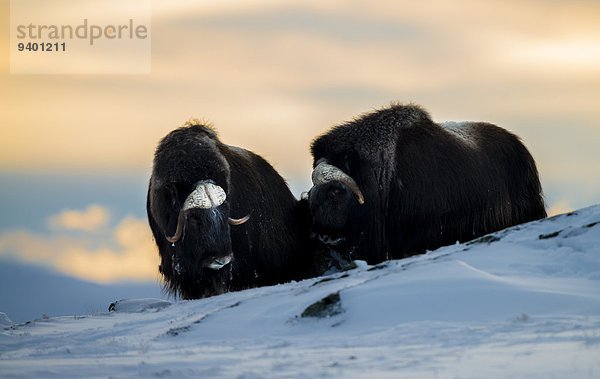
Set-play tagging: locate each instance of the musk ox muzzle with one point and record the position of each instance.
(217, 263)
(324, 172)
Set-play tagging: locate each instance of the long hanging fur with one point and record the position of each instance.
(425, 184)
(267, 249)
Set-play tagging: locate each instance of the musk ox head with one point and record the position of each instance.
(190, 214)
(334, 200)
(203, 210)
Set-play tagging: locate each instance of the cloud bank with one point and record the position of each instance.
(93, 218)
(97, 252)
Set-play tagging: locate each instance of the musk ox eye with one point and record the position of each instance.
(334, 192)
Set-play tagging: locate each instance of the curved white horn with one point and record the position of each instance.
(238, 221)
(324, 172)
(206, 195)
(180, 225)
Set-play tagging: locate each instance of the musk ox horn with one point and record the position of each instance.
(179, 230)
(324, 172)
(238, 221)
(206, 195)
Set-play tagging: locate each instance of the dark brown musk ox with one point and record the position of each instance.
(393, 183)
(222, 217)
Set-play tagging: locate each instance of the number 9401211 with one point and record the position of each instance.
(42, 46)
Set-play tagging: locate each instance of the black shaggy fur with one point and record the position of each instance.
(267, 248)
(425, 185)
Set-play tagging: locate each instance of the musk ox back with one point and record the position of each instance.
(221, 216)
(393, 183)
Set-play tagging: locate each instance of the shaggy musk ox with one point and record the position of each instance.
(223, 219)
(393, 183)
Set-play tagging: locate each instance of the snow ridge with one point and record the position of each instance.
(522, 302)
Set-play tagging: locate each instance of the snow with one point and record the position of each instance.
(524, 302)
(5, 320)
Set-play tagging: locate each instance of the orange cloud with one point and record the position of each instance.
(559, 207)
(93, 218)
(133, 258)
(123, 253)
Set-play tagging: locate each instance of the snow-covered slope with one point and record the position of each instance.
(524, 302)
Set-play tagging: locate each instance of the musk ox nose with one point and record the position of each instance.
(217, 262)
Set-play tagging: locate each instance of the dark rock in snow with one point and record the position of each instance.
(328, 306)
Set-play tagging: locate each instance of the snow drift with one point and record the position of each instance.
(522, 302)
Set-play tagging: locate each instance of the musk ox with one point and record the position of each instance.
(221, 216)
(393, 183)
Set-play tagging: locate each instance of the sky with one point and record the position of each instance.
(76, 150)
